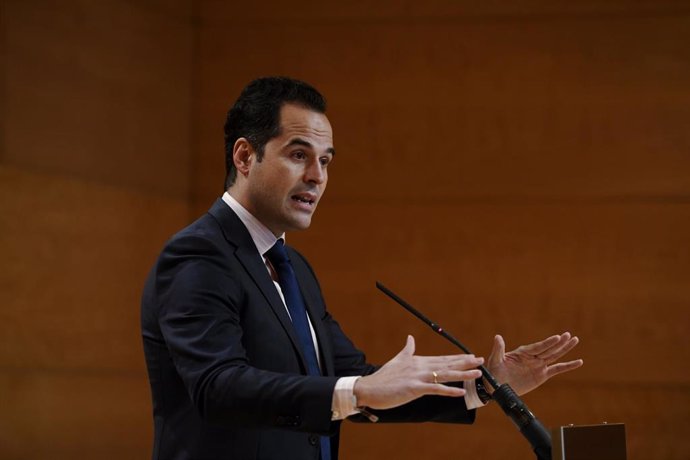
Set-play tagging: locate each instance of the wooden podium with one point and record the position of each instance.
(589, 442)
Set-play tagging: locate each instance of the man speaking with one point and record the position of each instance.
(243, 357)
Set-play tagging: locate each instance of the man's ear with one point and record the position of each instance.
(243, 156)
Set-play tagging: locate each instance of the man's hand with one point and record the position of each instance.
(528, 366)
(406, 377)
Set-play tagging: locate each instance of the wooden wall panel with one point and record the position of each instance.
(94, 167)
(488, 108)
(72, 375)
(75, 257)
(68, 415)
(99, 90)
(525, 271)
(457, 11)
(520, 169)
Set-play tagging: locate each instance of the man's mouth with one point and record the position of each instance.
(306, 198)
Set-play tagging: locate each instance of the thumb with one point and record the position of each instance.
(408, 349)
(499, 349)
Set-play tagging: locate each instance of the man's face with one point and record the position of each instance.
(284, 188)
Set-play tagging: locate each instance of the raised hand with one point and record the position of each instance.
(406, 377)
(528, 366)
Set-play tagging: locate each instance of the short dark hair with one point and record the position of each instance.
(256, 114)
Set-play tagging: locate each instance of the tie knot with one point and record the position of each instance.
(277, 254)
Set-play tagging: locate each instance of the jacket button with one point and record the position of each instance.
(313, 439)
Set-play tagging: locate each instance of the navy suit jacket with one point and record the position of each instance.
(227, 376)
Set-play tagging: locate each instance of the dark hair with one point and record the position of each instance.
(256, 114)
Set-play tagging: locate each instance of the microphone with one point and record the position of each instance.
(530, 427)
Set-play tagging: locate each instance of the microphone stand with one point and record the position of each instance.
(530, 427)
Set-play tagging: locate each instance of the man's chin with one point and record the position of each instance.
(299, 224)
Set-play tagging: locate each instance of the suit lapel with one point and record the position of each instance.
(238, 236)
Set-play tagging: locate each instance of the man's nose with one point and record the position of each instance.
(315, 172)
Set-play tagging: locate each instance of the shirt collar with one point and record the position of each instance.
(263, 238)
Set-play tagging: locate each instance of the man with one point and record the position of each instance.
(244, 360)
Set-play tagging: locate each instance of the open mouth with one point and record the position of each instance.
(304, 198)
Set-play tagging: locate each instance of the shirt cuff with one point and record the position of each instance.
(472, 400)
(343, 404)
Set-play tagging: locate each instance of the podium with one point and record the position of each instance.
(589, 442)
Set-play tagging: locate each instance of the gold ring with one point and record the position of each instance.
(435, 376)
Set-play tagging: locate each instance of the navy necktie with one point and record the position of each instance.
(298, 313)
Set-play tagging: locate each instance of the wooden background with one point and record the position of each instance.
(520, 168)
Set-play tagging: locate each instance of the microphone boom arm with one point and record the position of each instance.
(530, 427)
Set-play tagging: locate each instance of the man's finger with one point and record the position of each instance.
(462, 360)
(556, 352)
(457, 376)
(560, 368)
(441, 390)
(542, 346)
(451, 361)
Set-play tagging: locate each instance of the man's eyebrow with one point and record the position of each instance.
(303, 143)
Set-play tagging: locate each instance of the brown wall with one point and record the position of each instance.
(515, 169)
(94, 176)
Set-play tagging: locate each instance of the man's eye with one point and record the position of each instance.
(299, 155)
(324, 161)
